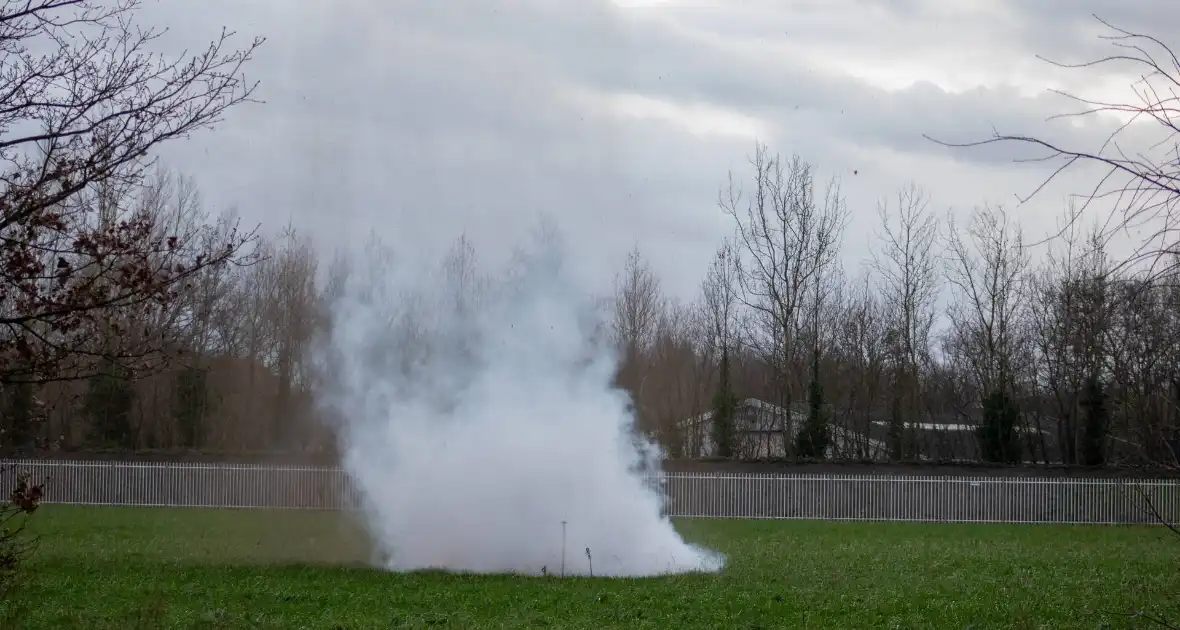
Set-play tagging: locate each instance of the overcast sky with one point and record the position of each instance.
(422, 119)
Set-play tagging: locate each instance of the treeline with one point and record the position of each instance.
(954, 343)
(218, 364)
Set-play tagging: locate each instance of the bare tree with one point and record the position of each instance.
(906, 262)
(460, 269)
(638, 302)
(174, 337)
(862, 354)
(638, 306)
(719, 293)
(77, 126)
(292, 314)
(987, 273)
(677, 379)
(1070, 331)
(177, 203)
(1143, 355)
(786, 240)
(95, 107)
(1142, 185)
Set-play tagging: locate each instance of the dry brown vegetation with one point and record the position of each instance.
(234, 371)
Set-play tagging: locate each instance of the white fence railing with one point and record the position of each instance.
(761, 496)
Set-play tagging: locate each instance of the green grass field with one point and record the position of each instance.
(175, 568)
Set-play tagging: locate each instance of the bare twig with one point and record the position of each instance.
(1142, 187)
(85, 239)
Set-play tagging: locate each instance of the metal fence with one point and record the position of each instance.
(697, 495)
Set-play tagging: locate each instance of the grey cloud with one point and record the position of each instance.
(1068, 27)
(422, 119)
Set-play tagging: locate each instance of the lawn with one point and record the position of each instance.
(176, 568)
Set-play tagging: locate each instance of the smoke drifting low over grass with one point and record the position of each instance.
(478, 414)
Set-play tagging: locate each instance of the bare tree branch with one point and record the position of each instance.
(1142, 188)
(83, 238)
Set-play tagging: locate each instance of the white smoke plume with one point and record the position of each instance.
(477, 415)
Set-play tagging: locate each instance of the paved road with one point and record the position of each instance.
(861, 497)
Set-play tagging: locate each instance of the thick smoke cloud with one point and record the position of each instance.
(476, 415)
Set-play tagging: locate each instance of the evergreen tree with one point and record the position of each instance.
(998, 439)
(190, 404)
(19, 413)
(896, 428)
(1095, 423)
(107, 405)
(812, 441)
(725, 403)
